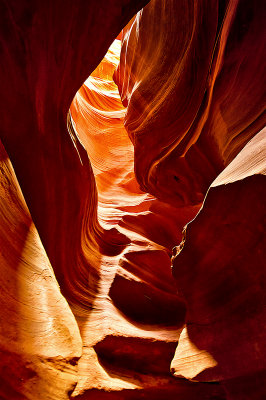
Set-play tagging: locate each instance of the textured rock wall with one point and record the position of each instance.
(221, 273)
(187, 73)
(130, 337)
(39, 337)
(48, 50)
(94, 199)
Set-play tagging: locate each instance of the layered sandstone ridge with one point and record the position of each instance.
(160, 157)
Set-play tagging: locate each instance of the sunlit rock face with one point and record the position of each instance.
(132, 332)
(48, 50)
(93, 198)
(40, 339)
(187, 73)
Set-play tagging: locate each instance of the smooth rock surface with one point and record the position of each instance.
(99, 194)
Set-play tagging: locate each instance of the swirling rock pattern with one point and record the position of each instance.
(39, 336)
(137, 315)
(94, 197)
(46, 56)
(187, 72)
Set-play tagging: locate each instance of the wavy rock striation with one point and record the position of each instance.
(187, 96)
(133, 328)
(93, 198)
(40, 339)
(48, 50)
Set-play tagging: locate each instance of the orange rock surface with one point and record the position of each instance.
(132, 247)
(40, 339)
(187, 75)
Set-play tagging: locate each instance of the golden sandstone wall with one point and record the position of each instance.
(132, 247)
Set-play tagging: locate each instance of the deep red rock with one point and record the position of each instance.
(221, 273)
(95, 193)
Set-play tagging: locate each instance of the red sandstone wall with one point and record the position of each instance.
(92, 202)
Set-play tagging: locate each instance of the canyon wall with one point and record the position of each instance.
(132, 218)
(187, 73)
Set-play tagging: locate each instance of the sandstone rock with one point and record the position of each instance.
(221, 273)
(95, 195)
(186, 74)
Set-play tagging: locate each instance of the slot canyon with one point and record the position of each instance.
(132, 200)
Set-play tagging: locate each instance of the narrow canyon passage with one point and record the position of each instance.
(132, 200)
(137, 316)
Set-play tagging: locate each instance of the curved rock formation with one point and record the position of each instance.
(40, 339)
(93, 198)
(187, 95)
(225, 286)
(46, 56)
(136, 318)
